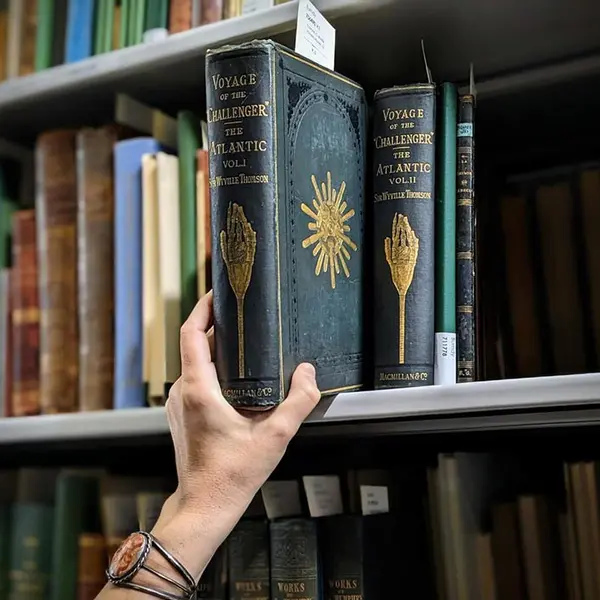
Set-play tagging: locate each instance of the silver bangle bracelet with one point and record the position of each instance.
(131, 557)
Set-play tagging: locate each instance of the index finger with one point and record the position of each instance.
(193, 340)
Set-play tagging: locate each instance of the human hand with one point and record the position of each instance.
(224, 456)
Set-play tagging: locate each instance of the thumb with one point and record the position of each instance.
(302, 398)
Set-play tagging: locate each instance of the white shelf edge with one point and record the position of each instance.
(442, 401)
(538, 77)
(118, 63)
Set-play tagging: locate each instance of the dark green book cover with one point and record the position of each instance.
(287, 179)
(249, 564)
(403, 235)
(295, 562)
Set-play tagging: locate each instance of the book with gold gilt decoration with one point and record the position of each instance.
(287, 178)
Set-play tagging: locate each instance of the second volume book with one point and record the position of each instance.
(287, 180)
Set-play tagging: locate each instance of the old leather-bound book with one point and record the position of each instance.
(287, 179)
(403, 239)
(25, 396)
(56, 204)
(95, 232)
(93, 561)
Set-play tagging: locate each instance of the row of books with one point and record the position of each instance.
(365, 270)
(59, 527)
(39, 34)
(104, 269)
(546, 293)
(466, 525)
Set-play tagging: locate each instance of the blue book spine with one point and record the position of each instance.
(129, 386)
(80, 30)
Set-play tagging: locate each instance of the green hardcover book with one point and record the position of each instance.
(44, 34)
(403, 225)
(189, 139)
(124, 26)
(8, 204)
(99, 26)
(295, 574)
(77, 510)
(287, 178)
(444, 371)
(109, 22)
(31, 536)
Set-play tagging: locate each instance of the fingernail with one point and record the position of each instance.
(309, 369)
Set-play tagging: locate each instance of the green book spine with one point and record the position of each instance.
(153, 14)
(444, 371)
(164, 14)
(124, 29)
(99, 25)
(44, 34)
(75, 510)
(31, 552)
(8, 205)
(107, 31)
(4, 549)
(138, 23)
(189, 137)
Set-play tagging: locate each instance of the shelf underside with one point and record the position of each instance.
(572, 400)
(378, 43)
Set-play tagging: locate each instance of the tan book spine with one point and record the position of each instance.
(56, 203)
(28, 38)
(25, 398)
(95, 224)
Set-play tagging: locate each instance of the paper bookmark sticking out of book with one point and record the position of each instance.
(324, 495)
(315, 36)
(374, 499)
(427, 69)
(281, 499)
(472, 88)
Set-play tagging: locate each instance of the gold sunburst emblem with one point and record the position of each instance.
(330, 237)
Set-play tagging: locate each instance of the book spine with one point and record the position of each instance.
(444, 371)
(25, 397)
(95, 227)
(341, 545)
(213, 583)
(403, 223)
(244, 211)
(294, 575)
(248, 548)
(56, 205)
(93, 562)
(465, 240)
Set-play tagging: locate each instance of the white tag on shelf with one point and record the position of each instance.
(155, 35)
(281, 499)
(374, 499)
(324, 495)
(444, 367)
(315, 36)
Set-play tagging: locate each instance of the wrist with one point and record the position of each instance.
(193, 529)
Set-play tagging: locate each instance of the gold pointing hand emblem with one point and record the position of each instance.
(238, 247)
(401, 253)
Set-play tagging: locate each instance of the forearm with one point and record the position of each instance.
(191, 534)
